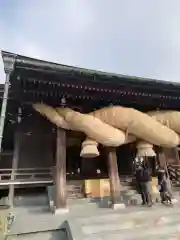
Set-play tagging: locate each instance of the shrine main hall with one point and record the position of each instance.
(35, 153)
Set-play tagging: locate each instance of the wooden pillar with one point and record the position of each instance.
(114, 178)
(161, 157)
(177, 155)
(60, 173)
(15, 161)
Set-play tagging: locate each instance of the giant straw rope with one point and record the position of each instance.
(114, 126)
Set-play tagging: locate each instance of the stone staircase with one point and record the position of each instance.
(129, 196)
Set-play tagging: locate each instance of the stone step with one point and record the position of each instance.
(35, 222)
(28, 200)
(164, 227)
(54, 236)
(131, 224)
(38, 200)
(161, 232)
(96, 220)
(129, 196)
(167, 232)
(135, 213)
(100, 223)
(44, 235)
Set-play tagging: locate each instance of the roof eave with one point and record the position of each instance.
(45, 65)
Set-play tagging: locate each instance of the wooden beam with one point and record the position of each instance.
(60, 171)
(114, 178)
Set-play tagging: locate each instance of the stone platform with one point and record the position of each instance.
(92, 221)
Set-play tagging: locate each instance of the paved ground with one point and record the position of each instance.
(90, 222)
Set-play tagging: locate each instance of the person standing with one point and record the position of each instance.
(138, 175)
(146, 185)
(143, 179)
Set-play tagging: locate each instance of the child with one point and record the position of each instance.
(164, 190)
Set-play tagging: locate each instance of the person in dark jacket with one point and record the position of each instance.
(138, 176)
(143, 177)
(147, 184)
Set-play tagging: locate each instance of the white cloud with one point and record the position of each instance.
(129, 37)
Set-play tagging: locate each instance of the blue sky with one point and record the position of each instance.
(134, 37)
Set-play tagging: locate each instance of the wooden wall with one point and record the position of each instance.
(37, 143)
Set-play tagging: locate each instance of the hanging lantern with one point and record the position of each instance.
(89, 149)
(145, 149)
